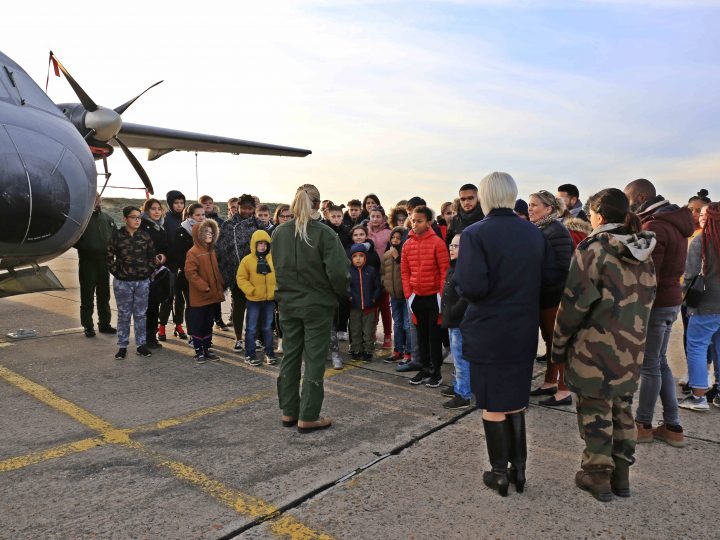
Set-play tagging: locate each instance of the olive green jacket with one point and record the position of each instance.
(314, 275)
(602, 323)
(94, 241)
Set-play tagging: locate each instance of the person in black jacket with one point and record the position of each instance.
(182, 243)
(469, 212)
(176, 304)
(543, 209)
(152, 223)
(453, 308)
(335, 222)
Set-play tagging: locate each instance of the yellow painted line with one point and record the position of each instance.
(194, 415)
(51, 453)
(4, 344)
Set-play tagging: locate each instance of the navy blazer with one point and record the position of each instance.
(504, 264)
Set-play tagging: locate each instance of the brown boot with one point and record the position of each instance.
(620, 478)
(307, 427)
(644, 435)
(673, 438)
(288, 421)
(596, 482)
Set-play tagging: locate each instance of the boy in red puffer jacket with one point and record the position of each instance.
(424, 263)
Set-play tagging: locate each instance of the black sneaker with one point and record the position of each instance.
(200, 359)
(142, 350)
(121, 354)
(211, 356)
(89, 331)
(356, 356)
(434, 381)
(457, 402)
(221, 325)
(420, 377)
(448, 391)
(710, 394)
(685, 389)
(153, 345)
(107, 329)
(368, 357)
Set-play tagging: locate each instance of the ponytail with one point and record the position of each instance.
(305, 207)
(614, 207)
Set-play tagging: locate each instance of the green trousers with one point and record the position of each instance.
(306, 336)
(94, 279)
(362, 331)
(608, 428)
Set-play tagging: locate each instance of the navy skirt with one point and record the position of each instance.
(502, 387)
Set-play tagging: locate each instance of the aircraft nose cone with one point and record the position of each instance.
(105, 122)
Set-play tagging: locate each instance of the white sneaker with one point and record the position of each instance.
(279, 346)
(343, 336)
(238, 346)
(694, 403)
(337, 361)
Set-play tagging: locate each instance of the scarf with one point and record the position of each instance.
(158, 224)
(188, 224)
(547, 220)
(263, 267)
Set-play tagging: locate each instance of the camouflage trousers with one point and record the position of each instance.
(131, 298)
(608, 428)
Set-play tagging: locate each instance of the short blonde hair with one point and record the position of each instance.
(497, 190)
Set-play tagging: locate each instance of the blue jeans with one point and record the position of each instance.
(656, 378)
(462, 366)
(411, 330)
(265, 311)
(702, 331)
(401, 324)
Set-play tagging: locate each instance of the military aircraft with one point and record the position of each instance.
(48, 177)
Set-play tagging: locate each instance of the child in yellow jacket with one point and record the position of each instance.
(256, 278)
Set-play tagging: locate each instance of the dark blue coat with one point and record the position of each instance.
(503, 265)
(365, 287)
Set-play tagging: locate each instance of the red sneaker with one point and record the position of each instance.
(387, 344)
(161, 333)
(407, 357)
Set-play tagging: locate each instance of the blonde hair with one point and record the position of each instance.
(305, 207)
(497, 190)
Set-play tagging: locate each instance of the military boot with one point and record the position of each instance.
(596, 482)
(515, 424)
(496, 439)
(620, 478)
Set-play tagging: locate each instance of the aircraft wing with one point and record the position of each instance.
(160, 141)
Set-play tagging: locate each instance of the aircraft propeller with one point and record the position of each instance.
(104, 124)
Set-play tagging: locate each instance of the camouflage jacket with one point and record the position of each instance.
(602, 323)
(131, 258)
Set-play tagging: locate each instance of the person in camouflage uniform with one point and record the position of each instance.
(600, 334)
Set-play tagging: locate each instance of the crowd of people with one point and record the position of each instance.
(602, 283)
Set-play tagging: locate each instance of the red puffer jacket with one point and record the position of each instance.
(423, 264)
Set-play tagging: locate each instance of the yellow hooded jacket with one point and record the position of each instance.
(257, 287)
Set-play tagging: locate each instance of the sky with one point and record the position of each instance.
(400, 98)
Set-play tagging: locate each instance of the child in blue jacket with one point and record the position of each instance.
(365, 291)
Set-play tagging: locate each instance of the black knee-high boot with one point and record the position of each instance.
(515, 424)
(496, 438)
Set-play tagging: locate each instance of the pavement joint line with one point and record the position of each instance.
(283, 527)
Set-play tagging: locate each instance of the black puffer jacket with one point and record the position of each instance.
(453, 305)
(562, 247)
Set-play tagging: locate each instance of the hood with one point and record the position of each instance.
(358, 248)
(578, 225)
(199, 229)
(476, 214)
(630, 248)
(680, 218)
(259, 236)
(403, 235)
(172, 196)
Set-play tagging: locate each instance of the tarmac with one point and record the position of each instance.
(159, 447)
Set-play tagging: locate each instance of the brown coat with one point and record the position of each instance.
(201, 267)
(390, 276)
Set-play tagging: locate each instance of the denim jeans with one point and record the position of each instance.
(656, 378)
(265, 311)
(401, 324)
(462, 366)
(412, 335)
(702, 331)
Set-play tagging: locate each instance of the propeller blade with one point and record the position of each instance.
(136, 165)
(86, 100)
(122, 108)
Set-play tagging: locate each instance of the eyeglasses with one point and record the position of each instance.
(136, 218)
(284, 216)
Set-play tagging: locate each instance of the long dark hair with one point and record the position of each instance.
(711, 232)
(613, 205)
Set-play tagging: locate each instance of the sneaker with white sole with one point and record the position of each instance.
(238, 346)
(433, 381)
(337, 362)
(343, 336)
(279, 348)
(270, 360)
(253, 361)
(694, 403)
(420, 377)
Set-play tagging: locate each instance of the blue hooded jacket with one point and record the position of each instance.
(365, 286)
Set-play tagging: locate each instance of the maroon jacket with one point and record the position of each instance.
(672, 226)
